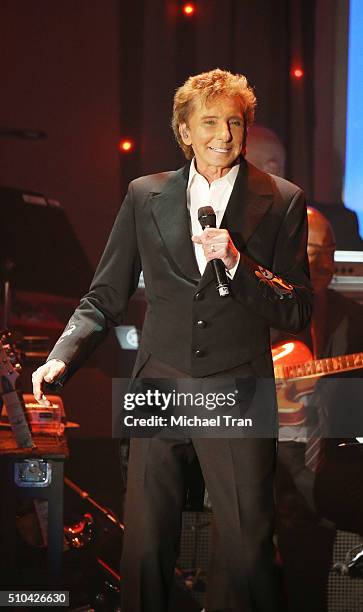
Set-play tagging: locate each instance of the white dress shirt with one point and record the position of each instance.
(201, 193)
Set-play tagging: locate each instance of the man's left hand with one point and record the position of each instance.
(217, 244)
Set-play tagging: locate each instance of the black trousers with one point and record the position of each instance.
(239, 475)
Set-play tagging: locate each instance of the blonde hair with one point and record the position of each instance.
(206, 86)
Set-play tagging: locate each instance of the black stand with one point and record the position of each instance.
(52, 451)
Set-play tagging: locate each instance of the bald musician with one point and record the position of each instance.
(314, 499)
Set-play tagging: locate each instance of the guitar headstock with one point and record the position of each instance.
(10, 367)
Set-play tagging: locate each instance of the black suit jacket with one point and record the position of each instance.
(266, 218)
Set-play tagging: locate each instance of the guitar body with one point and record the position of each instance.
(291, 410)
(296, 374)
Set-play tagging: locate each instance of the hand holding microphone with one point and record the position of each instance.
(218, 248)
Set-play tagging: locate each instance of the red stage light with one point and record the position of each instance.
(126, 145)
(189, 9)
(297, 73)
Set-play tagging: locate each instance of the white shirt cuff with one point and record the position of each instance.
(232, 271)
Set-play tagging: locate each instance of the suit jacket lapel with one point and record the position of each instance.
(170, 213)
(251, 198)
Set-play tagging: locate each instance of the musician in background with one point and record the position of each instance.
(319, 485)
(265, 150)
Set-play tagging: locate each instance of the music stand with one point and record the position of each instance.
(39, 250)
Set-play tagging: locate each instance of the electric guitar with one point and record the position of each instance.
(296, 375)
(9, 373)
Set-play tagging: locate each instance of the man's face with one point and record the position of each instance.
(216, 132)
(321, 247)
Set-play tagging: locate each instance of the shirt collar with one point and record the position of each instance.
(230, 177)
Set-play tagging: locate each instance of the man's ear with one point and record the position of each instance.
(185, 134)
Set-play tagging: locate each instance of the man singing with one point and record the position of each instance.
(190, 331)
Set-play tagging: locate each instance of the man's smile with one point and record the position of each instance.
(219, 149)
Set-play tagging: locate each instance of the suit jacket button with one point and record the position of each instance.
(199, 296)
(201, 324)
(199, 353)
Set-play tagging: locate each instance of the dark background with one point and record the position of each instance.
(90, 72)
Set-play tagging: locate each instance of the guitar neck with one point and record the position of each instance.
(14, 403)
(320, 367)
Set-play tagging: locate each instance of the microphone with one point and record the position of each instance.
(207, 218)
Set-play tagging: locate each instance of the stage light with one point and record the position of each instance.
(297, 73)
(126, 145)
(189, 9)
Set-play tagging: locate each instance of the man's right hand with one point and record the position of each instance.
(48, 372)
